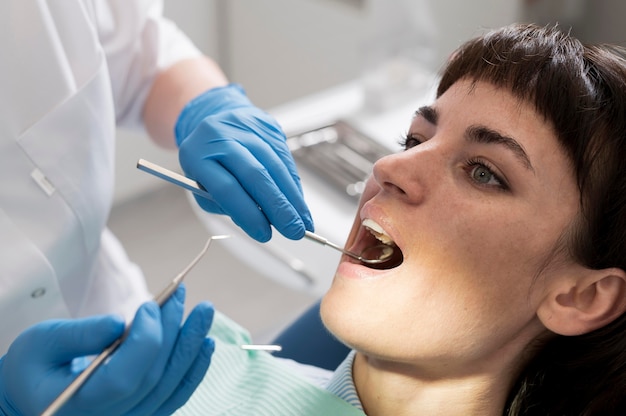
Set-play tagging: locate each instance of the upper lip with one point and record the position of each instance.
(377, 213)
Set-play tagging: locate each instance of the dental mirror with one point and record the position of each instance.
(377, 254)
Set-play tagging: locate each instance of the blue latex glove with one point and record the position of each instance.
(154, 371)
(238, 153)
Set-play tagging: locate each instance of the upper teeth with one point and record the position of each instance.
(377, 230)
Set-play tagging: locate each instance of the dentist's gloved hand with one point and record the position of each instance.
(154, 371)
(238, 153)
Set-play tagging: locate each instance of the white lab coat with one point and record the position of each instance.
(70, 70)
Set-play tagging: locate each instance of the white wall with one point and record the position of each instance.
(589, 20)
(459, 20)
(282, 49)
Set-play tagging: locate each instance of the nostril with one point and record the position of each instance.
(393, 188)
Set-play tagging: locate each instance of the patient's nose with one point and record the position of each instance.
(399, 176)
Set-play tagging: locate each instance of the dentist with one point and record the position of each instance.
(72, 72)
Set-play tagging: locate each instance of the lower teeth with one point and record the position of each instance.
(380, 252)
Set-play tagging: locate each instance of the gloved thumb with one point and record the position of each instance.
(67, 339)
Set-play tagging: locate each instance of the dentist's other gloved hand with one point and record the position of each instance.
(238, 153)
(154, 371)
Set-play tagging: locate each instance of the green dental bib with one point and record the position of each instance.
(254, 383)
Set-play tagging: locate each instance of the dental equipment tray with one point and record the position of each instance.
(339, 153)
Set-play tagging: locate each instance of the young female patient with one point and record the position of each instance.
(508, 206)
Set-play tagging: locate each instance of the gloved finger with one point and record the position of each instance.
(191, 381)
(236, 203)
(171, 317)
(40, 358)
(123, 374)
(286, 210)
(253, 186)
(188, 350)
(273, 153)
(209, 205)
(67, 339)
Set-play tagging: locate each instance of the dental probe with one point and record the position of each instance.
(387, 251)
(160, 299)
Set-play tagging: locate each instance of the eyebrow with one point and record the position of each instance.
(482, 134)
(429, 113)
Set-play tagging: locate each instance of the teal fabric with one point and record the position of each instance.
(241, 382)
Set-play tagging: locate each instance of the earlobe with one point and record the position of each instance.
(581, 306)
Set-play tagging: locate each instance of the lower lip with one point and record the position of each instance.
(351, 270)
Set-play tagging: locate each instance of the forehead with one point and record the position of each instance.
(468, 103)
(485, 100)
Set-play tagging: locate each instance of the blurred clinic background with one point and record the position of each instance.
(343, 78)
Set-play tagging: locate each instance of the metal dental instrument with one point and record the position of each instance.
(160, 299)
(384, 255)
(381, 252)
(173, 177)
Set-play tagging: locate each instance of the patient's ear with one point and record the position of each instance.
(578, 306)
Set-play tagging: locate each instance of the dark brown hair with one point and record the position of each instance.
(581, 90)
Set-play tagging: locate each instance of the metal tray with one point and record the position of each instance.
(339, 153)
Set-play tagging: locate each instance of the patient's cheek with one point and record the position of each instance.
(330, 313)
(326, 307)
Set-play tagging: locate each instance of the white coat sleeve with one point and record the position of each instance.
(138, 43)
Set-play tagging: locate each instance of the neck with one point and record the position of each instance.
(393, 389)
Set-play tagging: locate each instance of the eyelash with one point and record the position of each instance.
(409, 141)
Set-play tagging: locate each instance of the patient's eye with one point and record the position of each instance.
(411, 140)
(482, 173)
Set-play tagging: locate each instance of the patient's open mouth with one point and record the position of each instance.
(374, 243)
